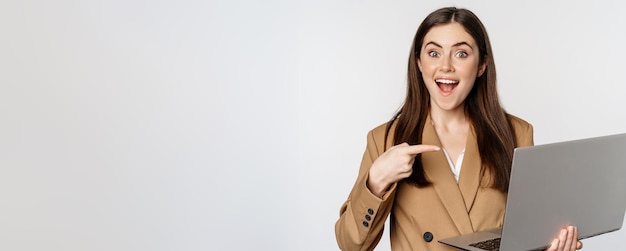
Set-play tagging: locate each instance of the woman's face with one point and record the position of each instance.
(449, 62)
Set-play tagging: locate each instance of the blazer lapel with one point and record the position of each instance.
(469, 178)
(437, 170)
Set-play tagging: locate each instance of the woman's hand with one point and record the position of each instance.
(567, 240)
(394, 165)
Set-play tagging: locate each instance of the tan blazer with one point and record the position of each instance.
(421, 216)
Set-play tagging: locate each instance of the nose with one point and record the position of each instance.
(446, 64)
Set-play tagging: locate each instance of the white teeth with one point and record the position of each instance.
(446, 81)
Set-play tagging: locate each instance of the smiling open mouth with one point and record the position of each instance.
(446, 85)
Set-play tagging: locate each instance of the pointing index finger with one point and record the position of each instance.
(417, 149)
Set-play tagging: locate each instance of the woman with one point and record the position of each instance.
(440, 167)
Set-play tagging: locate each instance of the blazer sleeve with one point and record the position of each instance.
(362, 217)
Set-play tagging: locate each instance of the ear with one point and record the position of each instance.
(419, 64)
(482, 67)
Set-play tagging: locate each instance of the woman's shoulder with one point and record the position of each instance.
(523, 131)
(382, 129)
(380, 133)
(518, 122)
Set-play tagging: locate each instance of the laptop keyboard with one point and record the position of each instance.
(491, 245)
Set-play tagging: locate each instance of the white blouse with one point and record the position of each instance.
(456, 170)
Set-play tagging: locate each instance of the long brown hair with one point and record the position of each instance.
(492, 124)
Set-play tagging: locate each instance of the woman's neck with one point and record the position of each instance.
(452, 128)
(448, 119)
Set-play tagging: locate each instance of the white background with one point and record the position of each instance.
(239, 125)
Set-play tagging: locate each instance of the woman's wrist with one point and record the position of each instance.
(377, 188)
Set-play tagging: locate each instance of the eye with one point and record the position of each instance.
(461, 54)
(433, 54)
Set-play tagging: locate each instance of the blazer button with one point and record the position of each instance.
(365, 224)
(368, 217)
(428, 237)
(370, 211)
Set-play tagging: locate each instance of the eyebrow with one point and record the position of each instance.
(454, 45)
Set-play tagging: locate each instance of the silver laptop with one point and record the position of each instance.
(580, 182)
